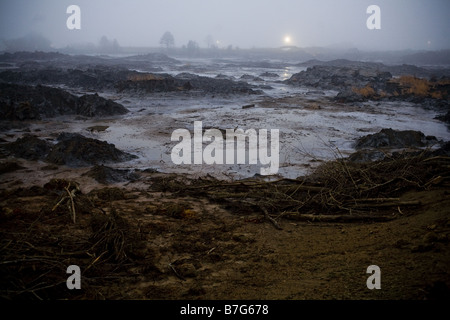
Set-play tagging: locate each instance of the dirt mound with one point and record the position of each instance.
(18, 110)
(147, 83)
(445, 117)
(248, 77)
(95, 106)
(269, 75)
(76, 150)
(362, 81)
(72, 149)
(389, 138)
(29, 147)
(21, 102)
(104, 77)
(339, 77)
(6, 167)
(107, 175)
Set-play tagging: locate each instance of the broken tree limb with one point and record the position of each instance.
(387, 204)
(337, 218)
(266, 213)
(72, 203)
(179, 276)
(272, 220)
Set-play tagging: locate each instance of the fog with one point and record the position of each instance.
(405, 24)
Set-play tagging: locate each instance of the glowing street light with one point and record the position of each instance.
(287, 40)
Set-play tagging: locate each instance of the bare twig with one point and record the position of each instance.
(72, 203)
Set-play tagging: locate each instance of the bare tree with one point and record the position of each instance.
(167, 40)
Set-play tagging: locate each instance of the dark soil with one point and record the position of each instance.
(6, 167)
(145, 244)
(76, 150)
(122, 80)
(19, 102)
(29, 147)
(389, 138)
(72, 149)
(292, 239)
(107, 175)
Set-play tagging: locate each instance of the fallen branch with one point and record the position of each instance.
(176, 272)
(272, 220)
(71, 201)
(388, 204)
(337, 218)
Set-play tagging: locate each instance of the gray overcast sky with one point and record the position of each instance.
(405, 24)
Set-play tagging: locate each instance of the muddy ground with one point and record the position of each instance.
(135, 242)
(146, 229)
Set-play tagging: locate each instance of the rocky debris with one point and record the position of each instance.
(97, 128)
(445, 117)
(119, 79)
(224, 76)
(22, 102)
(339, 77)
(349, 96)
(269, 75)
(248, 77)
(29, 147)
(411, 88)
(362, 81)
(76, 150)
(98, 78)
(19, 102)
(387, 142)
(18, 110)
(148, 83)
(211, 85)
(444, 150)
(394, 139)
(396, 70)
(370, 155)
(107, 175)
(72, 149)
(108, 194)
(95, 106)
(365, 155)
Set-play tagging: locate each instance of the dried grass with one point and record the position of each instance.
(37, 247)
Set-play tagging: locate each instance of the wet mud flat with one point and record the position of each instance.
(87, 180)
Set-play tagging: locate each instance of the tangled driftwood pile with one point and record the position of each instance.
(339, 190)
